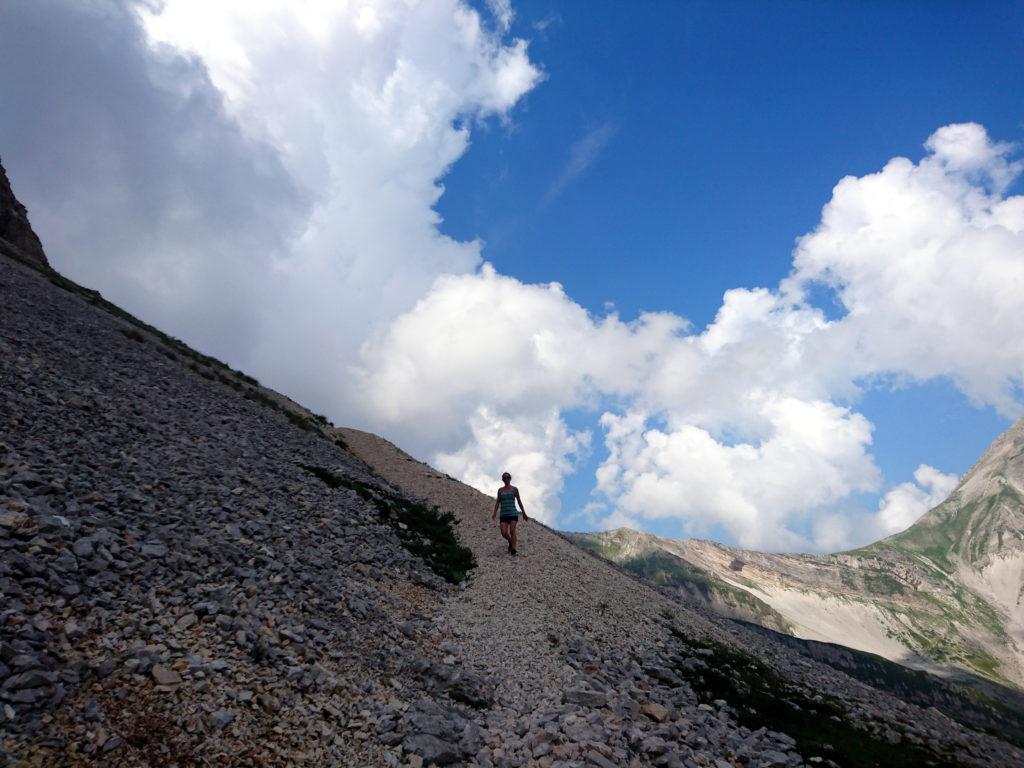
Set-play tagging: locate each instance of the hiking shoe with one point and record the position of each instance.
(511, 551)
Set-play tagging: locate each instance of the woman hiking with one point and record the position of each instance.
(508, 496)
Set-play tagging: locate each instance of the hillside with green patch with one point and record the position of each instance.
(642, 556)
(945, 595)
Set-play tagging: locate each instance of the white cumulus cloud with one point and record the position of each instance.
(905, 503)
(814, 455)
(748, 424)
(541, 450)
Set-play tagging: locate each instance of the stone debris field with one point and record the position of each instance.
(195, 572)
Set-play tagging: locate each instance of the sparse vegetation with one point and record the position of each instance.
(880, 583)
(666, 570)
(423, 531)
(977, 703)
(258, 652)
(819, 724)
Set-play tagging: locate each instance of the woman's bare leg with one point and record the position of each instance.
(512, 535)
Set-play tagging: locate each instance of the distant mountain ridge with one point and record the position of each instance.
(946, 595)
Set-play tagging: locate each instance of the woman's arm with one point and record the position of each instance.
(522, 509)
(497, 501)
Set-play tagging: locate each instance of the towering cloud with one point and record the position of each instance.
(257, 177)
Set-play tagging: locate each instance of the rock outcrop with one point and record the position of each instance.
(15, 227)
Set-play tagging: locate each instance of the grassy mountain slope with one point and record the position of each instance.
(944, 595)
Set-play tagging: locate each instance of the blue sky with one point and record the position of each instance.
(770, 329)
(729, 125)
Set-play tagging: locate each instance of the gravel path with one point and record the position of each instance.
(515, 606)
(569, 638)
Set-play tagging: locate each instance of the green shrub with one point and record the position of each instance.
(423, 531)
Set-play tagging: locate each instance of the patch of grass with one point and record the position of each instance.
(818, 723)
(880, 583)
(300, 421)
(133, 334)
(423, 531)
(250, 380)
(258, 652)
(975, 702)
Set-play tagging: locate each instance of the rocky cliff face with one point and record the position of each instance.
(946, 595)
(15, 227)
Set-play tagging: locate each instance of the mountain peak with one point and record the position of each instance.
(981, 521)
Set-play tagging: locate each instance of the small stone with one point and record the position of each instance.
(585, 697)
(656, 712)
(165, 676)
(13, 520)
(33, 678)
(222, 718)
(82, 548)
(653, 745)
(432, 749)
(596, 758)
(207, 608)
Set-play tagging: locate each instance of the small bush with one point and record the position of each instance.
(133, 334)
(423, 531)
(300, 421)
(247, 378)
(258, 652)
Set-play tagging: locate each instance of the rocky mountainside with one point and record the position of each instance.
(946, 595)
(195, 571)
(14, 225)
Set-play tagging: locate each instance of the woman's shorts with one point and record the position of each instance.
(510, 519)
